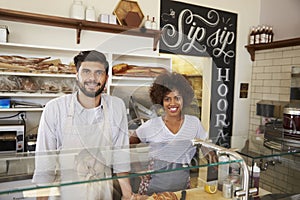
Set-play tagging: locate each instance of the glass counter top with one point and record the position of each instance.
(80, 166)
(76, 165)
(257, 146)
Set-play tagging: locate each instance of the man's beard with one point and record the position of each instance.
(90, 94)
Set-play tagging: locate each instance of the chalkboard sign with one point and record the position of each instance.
(200, 31)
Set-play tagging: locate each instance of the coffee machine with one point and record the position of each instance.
(280, 124)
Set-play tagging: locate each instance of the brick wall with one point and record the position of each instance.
(271, 80)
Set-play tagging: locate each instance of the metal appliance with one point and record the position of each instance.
(281, 132)
(12, 136)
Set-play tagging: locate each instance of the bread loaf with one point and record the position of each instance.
(165, 196)
(119, 68)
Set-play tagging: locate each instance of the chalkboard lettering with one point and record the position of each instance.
(200, 31)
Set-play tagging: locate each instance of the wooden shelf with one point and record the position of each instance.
(277, 44)
(79, 25)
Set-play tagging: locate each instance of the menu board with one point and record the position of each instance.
(195, 30)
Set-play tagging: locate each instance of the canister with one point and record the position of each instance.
(227, 189)
(77, 10)
(90, 14)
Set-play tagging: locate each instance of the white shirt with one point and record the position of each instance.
(168, 146)
(50, 133)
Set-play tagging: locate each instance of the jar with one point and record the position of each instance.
(227, 189)
(77, 10)
(90, 14)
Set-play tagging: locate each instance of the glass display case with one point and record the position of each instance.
(60, 172)
(279, 167)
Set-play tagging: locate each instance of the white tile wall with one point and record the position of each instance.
(271, 77)
(271, 80)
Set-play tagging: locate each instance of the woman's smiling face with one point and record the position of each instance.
(173, 103)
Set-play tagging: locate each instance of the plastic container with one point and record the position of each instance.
(255, 178)
(77, 10)
(4, 103)
(223, 171)
(211, 187)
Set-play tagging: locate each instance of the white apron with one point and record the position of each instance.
(86, 161)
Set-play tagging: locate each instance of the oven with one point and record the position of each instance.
(12, 136)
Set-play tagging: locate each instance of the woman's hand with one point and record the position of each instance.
(133, 138)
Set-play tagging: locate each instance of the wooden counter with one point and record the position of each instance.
(198, 193)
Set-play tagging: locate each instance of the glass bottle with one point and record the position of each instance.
(252, 35)
(267, 34)
(147, 23)
(153, 23)
(257, 35)
(77, 10)
(271, 35)
(263, 34)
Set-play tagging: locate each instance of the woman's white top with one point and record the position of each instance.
(168, 146)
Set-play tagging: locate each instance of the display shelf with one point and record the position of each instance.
(79, 25)
(37, 74)
(272, 45)
(131, 81)
(21, 109)
(66, 56)
(25, 94)
(137, 156)
(19, 46)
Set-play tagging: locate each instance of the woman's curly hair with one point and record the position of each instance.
(168, 82)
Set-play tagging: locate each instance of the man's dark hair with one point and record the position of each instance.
(90, 56)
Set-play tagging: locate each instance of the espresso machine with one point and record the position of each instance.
(280, 124)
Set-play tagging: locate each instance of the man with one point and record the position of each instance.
(79, 132)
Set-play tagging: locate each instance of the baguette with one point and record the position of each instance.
(119, 68)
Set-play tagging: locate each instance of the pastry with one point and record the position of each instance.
(119, 68)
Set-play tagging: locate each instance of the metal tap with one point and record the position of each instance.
(221, 151)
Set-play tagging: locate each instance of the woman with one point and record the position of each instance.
(169, 135)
